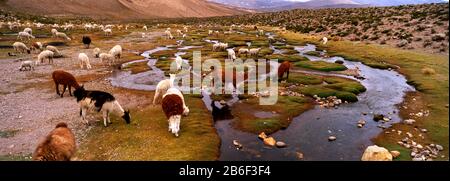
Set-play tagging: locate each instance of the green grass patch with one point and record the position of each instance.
(321, 66)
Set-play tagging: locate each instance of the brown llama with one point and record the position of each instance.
(66, 79)
(59, 145)
(284, 68)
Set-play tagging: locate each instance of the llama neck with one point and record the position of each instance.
(171, 82)
(118, 109)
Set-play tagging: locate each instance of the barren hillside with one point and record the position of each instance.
(122, 9)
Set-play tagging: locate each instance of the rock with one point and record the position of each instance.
(418, 159)
(270, 141)
(378, 117)
(395, 153)
(413, 154)
(439, 147)
(360, 125)
(262, 135)
(409, 134)
(362, 122)
(419, 146)
(446, 106)
(402, 43)
(339, 62)
(423, 130)
(409, 121)
(299, 155)
(237, 144)
(280, 144)
(332, 138)
(376, 153)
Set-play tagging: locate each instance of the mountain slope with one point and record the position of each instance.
(123, 9)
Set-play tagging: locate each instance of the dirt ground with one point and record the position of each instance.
(30, 106)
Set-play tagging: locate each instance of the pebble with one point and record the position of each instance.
(237, 144)
(409, 121)
(299, 155)
(439, 147)
(280, 144)
(362, 122)
(360, 125)
(332, 138)
(423, 130)
(395, 153)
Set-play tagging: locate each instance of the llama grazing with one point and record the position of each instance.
(86, 41)
(145, 28)
(174, 107)
(243, 51)
(54, 31)
(96, 101)
(21, 47)
(116, 51)
(210, 32)
(27, 65)
(254, 51)
(168, 34)
(179, 62)
(59, 145)
(24, 35)
(220, 46)
(284, 68)
(84, 60)
(53, 49)
(231, 54)
(108, 32)
(66, 79)
(162, 87)
(179, 32)
(62, 36)
(28, 30)
(106, 57)
(46, 54)
(96, 52)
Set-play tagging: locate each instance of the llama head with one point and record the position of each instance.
(172, 76)
(79, 93)
(126, 116)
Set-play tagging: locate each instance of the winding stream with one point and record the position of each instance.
(308, 133)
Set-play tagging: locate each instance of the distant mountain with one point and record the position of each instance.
(292, 4)
(122, 9)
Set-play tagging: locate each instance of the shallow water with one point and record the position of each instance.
(309, 132)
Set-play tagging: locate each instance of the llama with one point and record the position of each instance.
(66, 79)
(96, 52)
(243, 51)
(86, 41)
(96, 101)
(59, 145)
(145, 28)
(168, 34)
(106, 57)
(179, 62)
(84, 60)
(231, 54)
(174, 107)
(162, 87)
(53, 49)
(284, 68)
(28, 30)
(27, 65)
(62, 36)
(108, 32)
(21, 47)
(254, 51)
(24, 35)
(116, 51)
(46, 54)
(54, 31)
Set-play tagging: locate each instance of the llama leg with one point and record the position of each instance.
(57, 88)
(64, 90)
(70, 90)
(105, 117)
(156, 97)
(83, 115)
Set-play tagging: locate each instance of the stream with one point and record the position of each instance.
(308, 133)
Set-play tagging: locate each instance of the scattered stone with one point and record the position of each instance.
(270, 141)
(237, 144)
(395, 153)
(362, 122)
(409, 134)
(376, 153)
(378, 117)
(280, 144)
(360, 125)
(439, 147)
(423, 130)
(332, 138)
(262, 135)
(409, 121)
(339, 62)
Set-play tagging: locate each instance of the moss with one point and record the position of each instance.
(321, 66)
(290, 58)
(313, 53)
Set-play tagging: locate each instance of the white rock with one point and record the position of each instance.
(409, 121)
(376, 153)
